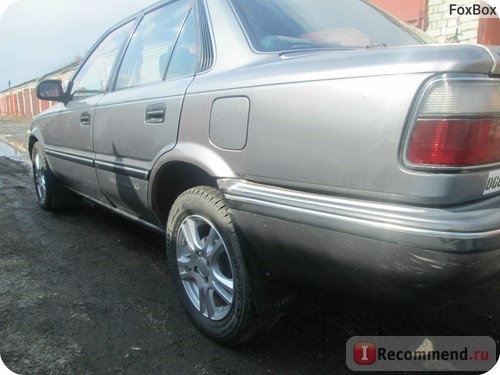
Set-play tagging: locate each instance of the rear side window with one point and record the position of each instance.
(150, 49)
(287, 25)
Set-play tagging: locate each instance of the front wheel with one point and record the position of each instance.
(50, 192)
(208, 268)
(45, 181)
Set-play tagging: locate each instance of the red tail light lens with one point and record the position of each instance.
(456, 125)
(455, 143)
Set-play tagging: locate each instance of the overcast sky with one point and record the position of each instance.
(39, 36)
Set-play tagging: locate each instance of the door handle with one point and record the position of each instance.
(85, 118)
(155, 113)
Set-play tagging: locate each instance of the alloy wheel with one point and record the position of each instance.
(205, 268)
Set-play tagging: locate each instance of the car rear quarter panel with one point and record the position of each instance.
(336, 136)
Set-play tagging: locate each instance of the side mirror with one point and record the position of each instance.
(51, 89)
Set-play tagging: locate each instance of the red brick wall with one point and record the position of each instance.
(412, 11)
(489, 31)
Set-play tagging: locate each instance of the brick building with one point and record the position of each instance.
(435, 18)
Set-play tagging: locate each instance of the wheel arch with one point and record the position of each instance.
(186, 166)
(31, 142)
(171, 180)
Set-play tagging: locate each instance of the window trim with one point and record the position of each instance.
(123, 50)
(140, 17)
(177, 37)
(96, 45)
(206, 41)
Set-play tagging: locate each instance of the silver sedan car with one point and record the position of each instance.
(275, 142)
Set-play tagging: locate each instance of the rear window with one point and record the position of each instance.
(287, 25)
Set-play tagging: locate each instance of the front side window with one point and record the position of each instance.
(288, 25)
(93, 77)
(150, 49)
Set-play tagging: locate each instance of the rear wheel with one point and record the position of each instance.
(208, 268)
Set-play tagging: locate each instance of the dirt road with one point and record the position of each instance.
(86, 292)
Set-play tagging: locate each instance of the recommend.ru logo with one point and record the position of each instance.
(420, 353)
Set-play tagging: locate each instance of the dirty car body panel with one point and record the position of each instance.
(339, 149)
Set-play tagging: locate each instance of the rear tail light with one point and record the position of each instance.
(457, 125)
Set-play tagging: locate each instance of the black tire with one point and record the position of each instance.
(46, 184)
(200, 215)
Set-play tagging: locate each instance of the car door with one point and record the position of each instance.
(138, 122)
(69, 136)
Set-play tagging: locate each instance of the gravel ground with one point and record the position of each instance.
(84, 291)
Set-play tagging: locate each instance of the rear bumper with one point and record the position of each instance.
(345, 244)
